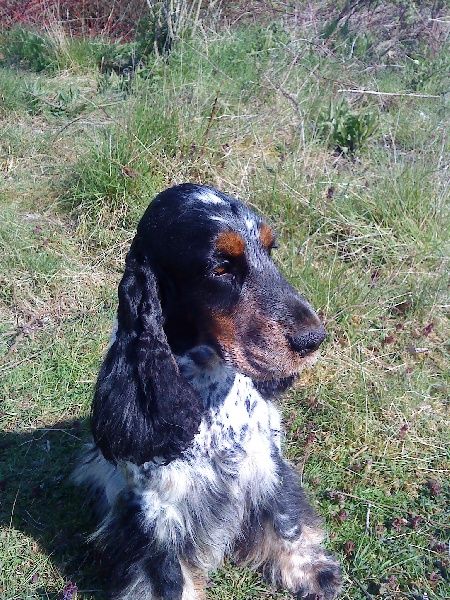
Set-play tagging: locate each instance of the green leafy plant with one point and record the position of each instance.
(39, 99)
(67, 101)
(32, 96)
(348, 130)
(29, 49)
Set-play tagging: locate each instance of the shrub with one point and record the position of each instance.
(29, 49)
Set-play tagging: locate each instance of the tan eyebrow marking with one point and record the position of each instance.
(266, 236)
(230, 243)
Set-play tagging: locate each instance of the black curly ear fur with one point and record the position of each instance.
(142, 407)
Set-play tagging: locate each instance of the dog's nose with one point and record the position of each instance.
(308, 342)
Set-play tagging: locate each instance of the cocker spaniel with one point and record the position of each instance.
(186, 465)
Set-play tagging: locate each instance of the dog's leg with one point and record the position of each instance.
(302, 566)
(285, 539)
(163, 577)
(194, 583)
(137, 568)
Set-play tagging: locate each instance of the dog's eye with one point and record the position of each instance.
(222, 270)
(224, 267)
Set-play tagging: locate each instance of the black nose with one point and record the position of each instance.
(308, 342)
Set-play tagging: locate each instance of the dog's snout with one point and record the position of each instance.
(306, 343)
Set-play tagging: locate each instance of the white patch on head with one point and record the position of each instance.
(217, 218)
(251, 224)
(208, 197)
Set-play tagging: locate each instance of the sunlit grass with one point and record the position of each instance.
(364, 236)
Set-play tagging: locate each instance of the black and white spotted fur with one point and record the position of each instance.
(186, 466)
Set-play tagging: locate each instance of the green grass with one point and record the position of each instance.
(365, 236)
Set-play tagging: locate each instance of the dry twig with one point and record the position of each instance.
(376, 93)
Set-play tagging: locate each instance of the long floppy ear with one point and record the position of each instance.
(142, 408)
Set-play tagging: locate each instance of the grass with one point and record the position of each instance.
(364, 234)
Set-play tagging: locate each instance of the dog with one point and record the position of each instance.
(186, 464)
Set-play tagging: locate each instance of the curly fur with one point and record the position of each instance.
(186, 464)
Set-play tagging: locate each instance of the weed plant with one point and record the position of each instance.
(345, 129)
(363, 233)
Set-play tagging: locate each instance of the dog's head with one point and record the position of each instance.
(198, 272)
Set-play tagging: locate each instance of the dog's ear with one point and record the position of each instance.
(142, 407)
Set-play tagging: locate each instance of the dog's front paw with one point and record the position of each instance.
(324, 581)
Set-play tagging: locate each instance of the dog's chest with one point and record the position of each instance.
(238, 435)
(231, 455)
(238, 422)
(203, 496)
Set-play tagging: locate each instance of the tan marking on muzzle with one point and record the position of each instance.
(265, 356)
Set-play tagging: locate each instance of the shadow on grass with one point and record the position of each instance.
(38, 500)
